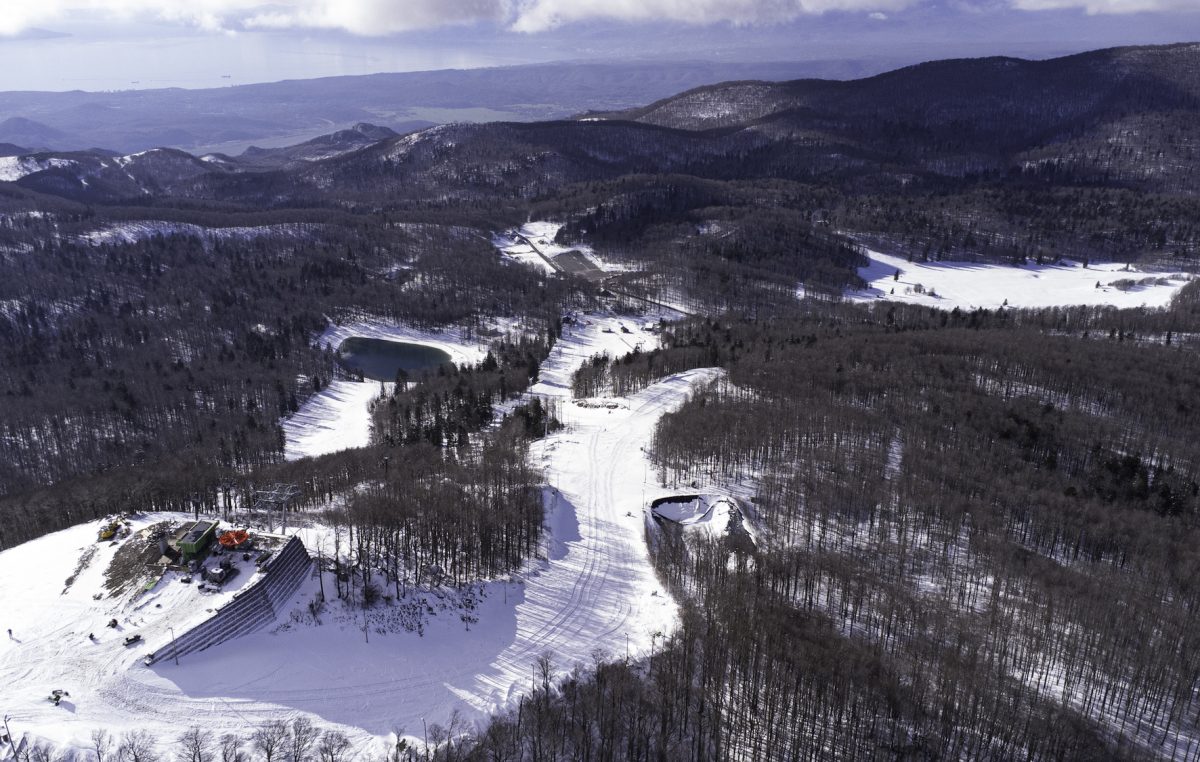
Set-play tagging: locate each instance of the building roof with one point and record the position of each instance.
(198, 530)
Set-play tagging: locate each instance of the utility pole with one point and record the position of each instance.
(321, 571)
(174, 646)
(11, 743)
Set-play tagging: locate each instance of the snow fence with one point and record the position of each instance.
(251, 609)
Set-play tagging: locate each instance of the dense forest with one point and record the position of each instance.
(142, 371)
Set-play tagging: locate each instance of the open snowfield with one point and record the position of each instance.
(337, 417)
(13, 168)
(592, 590)
(971, 285)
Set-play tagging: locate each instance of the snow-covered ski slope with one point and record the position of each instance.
(50, 649)
(334, 419)
(593, 589)
(970, 285)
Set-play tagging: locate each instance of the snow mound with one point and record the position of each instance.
(973, 285)
(711, 514)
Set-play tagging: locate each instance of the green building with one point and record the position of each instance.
(197, 539)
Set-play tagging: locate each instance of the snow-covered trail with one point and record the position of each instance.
(598, 591)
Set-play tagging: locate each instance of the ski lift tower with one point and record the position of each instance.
(277, 497)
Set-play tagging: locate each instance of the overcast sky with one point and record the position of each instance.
(121, 44)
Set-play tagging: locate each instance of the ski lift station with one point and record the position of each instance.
(193, 540)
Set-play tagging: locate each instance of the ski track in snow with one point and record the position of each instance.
(592, 590)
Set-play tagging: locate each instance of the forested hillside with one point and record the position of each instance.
(976, 539)
(993, 158)
(146, 364)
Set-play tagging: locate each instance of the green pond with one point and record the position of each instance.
(379, 359)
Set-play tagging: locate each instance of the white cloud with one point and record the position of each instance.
(379, 17)
(364, 17)
(877, 16)
(1109, 6)
(540, 15)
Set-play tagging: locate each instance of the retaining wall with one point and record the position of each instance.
(253, 608)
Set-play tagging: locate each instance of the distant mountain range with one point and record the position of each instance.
(231, 119)
(1124, 117)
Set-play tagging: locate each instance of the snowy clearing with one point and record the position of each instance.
(13, 168)
(334, 419)
(591, 334)
(55, 594)
(132, 232)
(970, 285)
(533, 244)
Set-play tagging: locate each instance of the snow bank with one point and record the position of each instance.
(970, 285)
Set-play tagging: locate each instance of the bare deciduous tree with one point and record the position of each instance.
(231, 748)
(303, 736)
(193, 746)
(138, 746)
(271, 739)
(334, 746)
(101, 743)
